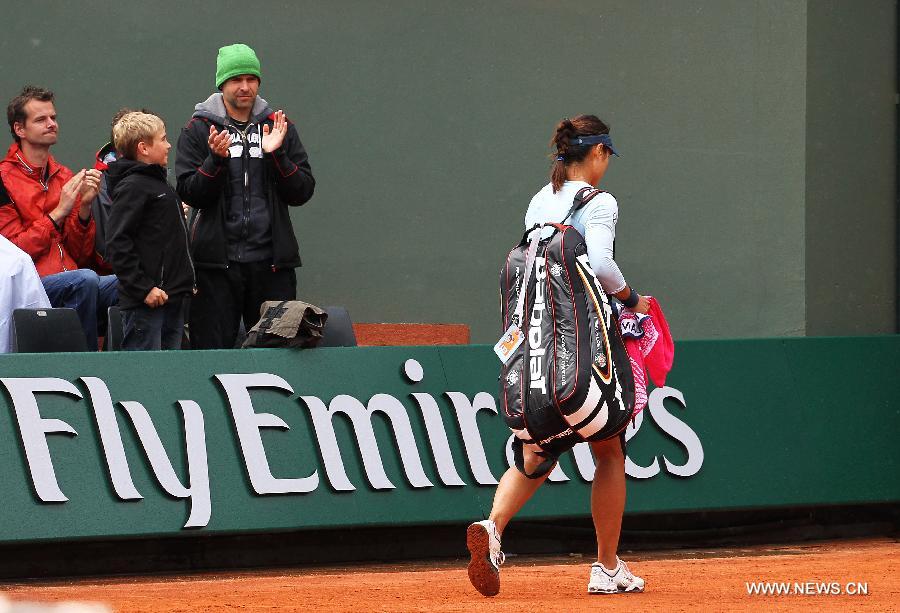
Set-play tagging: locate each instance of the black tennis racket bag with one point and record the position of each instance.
(566, 377)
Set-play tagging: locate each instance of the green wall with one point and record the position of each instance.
(851, 141)
(427, 127)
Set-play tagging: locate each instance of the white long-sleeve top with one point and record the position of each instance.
(596, 221)
(20, 288)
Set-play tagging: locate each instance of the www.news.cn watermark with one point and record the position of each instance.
(807, 588)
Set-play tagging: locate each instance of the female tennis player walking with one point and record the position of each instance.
(583, 151)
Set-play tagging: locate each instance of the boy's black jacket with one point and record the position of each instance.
(147, 243)
(203, 183)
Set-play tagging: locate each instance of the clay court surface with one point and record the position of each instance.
(685, 580)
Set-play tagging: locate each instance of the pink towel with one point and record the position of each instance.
(649, 345)
(660, 355)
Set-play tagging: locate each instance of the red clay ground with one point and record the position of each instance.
(711, 580)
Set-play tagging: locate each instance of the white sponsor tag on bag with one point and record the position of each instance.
(508, 343)
(513, 336)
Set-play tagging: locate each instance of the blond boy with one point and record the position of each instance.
(148, 242)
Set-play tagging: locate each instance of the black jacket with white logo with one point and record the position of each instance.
(147, 243)
(230, 226)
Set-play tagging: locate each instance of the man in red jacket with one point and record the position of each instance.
(49, 211)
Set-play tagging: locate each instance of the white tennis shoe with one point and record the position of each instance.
(483, 542)
(615, 581)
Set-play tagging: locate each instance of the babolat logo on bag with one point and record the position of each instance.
(566, 377)
(537, 354)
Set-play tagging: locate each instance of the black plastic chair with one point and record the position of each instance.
(115, 331)
(47, 331)
(338, 329)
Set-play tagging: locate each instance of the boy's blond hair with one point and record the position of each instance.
(134, 128)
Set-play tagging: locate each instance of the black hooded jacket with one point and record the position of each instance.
(147, 243)
(206, 183)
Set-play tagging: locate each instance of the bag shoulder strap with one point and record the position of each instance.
(584, 195)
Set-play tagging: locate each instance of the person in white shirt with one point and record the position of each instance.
(20, 288)
(583, 151)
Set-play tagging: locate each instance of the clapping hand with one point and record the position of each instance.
(68, 195)
(219, 142)
(90, 187)
(272, 138)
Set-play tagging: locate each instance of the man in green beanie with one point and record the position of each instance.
(240, 165)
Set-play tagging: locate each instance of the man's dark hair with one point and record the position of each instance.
(15, 112)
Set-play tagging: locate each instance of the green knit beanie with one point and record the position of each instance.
(235, 60)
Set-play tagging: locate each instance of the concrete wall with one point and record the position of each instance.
(427, 127)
